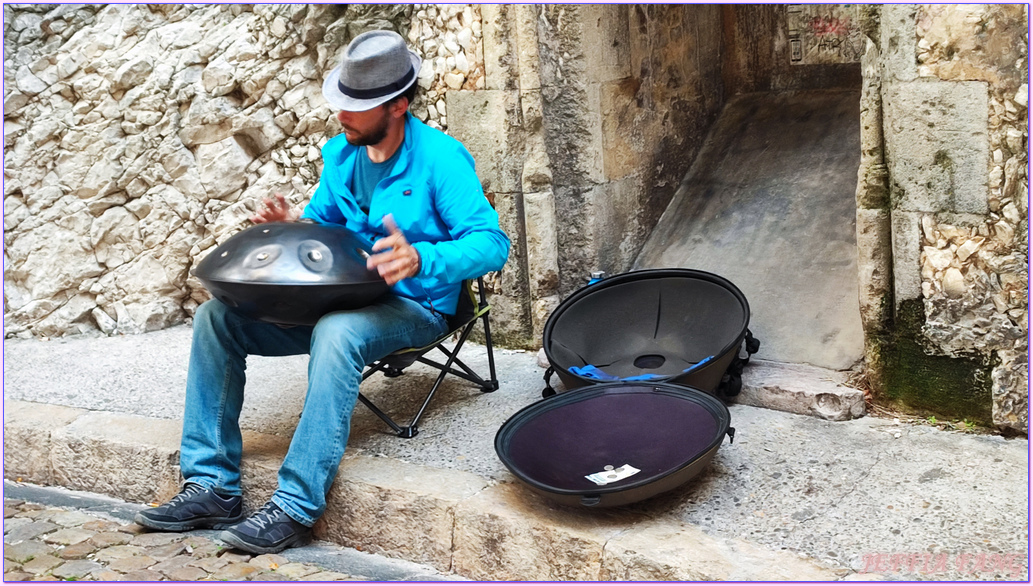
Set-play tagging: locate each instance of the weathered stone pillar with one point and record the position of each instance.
(628, 93)
(873, 216)
(954, 123)
(570, 126)
(502, 127)
(536, 177)
(874, 233)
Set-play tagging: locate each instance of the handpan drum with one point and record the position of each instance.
(291, 273)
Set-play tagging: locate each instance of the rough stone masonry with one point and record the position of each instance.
(952, 85)
(975, 270)
(139, 137)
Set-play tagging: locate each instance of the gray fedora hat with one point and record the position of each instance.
(376, 67)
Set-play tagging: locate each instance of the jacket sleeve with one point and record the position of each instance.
(478, 244)
(321, 207)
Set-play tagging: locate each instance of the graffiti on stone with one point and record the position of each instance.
(823, 34)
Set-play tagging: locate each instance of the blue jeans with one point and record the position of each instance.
(339, 345)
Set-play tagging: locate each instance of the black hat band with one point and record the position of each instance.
(377, 92)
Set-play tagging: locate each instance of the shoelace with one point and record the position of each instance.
(266, 516)
(188, 491)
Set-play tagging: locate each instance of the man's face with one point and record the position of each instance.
(365, 128)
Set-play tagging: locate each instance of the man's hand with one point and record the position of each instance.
(400, 261)
(275, 209)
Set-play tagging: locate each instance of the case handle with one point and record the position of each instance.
(548, 391)
(590, 500)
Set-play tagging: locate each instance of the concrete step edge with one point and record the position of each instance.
(454, 521)
(800, 389)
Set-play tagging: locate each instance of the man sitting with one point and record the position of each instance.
(412, 192)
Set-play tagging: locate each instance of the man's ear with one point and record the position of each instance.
(398, 108)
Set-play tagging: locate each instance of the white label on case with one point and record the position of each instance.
(611, 474)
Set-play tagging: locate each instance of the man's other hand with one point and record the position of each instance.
(400, 261)
(275, 209)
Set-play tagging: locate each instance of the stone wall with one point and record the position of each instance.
(944, 179)
(758, 48)
(448, 37)
(138, 137)
(631, 94)
(590, 117)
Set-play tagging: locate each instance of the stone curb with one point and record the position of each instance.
(453, 521)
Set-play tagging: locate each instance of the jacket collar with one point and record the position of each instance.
(347, 168)
(404, 158)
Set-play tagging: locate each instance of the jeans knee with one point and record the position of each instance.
(209, 311)
(213, 316)
(336, 336)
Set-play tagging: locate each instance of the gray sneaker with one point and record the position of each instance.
(194, 507)
(268, 530)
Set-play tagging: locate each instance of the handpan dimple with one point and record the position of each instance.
(263, 256)
(316, 256)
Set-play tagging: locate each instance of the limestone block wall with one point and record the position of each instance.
(950, 192)
(628, 95)
(590, 116)
(138, 137)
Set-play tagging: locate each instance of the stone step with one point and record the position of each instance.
(801, 389)
(454, 521)
(793, 388)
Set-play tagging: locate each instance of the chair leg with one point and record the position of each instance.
(487, 386)
(444, 372)
(493, 382)
(373, 368)
(406, 432)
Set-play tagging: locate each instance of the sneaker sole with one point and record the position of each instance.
(233, 540)
(175, 526)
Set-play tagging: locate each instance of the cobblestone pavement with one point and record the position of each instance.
(53, 534)
(49, 543)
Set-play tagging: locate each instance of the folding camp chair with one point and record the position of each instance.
(469, 309)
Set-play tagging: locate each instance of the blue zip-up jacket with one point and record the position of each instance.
(435, 198)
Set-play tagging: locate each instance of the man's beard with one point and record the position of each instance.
(374, 136)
